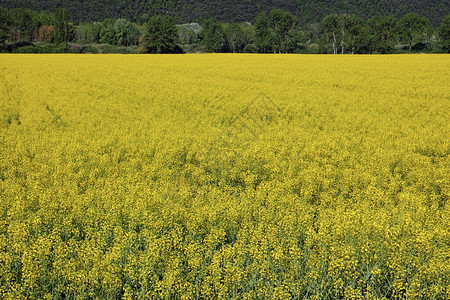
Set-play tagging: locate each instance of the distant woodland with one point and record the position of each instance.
(334, 27)
(228, 11)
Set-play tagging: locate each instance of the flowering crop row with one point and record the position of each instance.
(224, 176)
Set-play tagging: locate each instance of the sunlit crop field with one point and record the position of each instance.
(224, 176)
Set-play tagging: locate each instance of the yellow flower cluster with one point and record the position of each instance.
(224, 176)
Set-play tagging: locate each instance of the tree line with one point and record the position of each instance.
(274, 31)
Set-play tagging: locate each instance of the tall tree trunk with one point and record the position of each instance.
(334, 44)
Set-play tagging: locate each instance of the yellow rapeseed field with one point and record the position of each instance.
(224, 176)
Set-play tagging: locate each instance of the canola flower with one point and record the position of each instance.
(224, 177)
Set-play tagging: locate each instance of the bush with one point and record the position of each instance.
(110, 49)
(28, 49)
(126, 50)
(75, 48)
(12, 47)
(90, 50)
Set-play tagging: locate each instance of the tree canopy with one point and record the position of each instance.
(214, 37)
(229, 11)
(444, 33)
(4, 22)
(160, 36)
(410, 26)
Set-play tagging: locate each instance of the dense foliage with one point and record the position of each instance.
(410, 26)
(444, 33)
(232, 10)
(4, 24)
(214, 37)
(160, 36)
(276, 31)
(224, 176)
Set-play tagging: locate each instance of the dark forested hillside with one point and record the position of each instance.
(185, 11)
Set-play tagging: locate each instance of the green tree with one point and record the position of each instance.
(410, 26)
(344, 24)
(444, 33)
(429, 33)
(312, 33)
(347, 31)
(276, 32)
(61, 26)
(235, 37)
(282, 30)
(107, 32)
(88, 32)
(4, 25)
(355, 31)
(365, 40)
(126, 33)
(214, 37)
(160, 36)
(382, 30)
(330, 31)
(249, 33)
(21, 23)
(262, 40)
